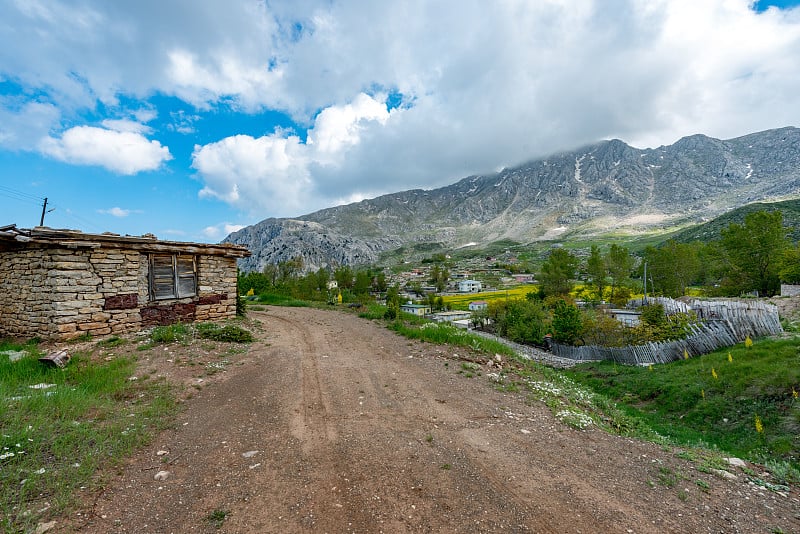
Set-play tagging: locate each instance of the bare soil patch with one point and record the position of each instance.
(330, 423)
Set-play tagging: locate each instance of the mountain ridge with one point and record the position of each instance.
(603, 187)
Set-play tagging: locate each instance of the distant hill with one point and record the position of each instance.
(608, 188)
(711, 230)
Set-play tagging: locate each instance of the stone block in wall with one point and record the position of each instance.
(166, 314)
(84, 326)
(122, 302)
(101, 317)
(211, 299)
(72, 304)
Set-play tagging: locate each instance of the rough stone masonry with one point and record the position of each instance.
(60, 284)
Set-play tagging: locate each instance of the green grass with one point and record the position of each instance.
(54, 437)
(373, 311)
(227, 333)
(443, 333)
(170, 333)
(685, 402)
(276, 299)
(217, 517)
(182, 333)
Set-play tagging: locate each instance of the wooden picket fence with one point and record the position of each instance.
(725, 323)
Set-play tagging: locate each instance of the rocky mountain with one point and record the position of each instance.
(602, 188)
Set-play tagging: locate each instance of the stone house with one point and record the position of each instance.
(60, 284)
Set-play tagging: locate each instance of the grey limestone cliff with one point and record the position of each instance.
(608, 186)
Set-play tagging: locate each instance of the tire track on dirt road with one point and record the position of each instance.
(312, 426)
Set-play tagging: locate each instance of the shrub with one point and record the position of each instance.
(169, 333)
(653, 314)
(566, 323)
(227, 333)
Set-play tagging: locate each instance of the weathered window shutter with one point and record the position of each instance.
(162, 276)
(186, 276)
(172, 276)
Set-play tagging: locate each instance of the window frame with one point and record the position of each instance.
(172, 276)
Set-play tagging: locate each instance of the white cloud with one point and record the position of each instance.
(336, 128)
(485, 86)
(120, 152)
(273, 172)
(182, 122)
(118, 212)
(22, 125)
(126, 125)
(220, 230)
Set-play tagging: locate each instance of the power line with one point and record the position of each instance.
(69, 214)
(19, 195)
(27, 198)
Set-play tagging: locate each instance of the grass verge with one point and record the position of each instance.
(276, 299)
(740, 400)
(443, 333)
(58, 426)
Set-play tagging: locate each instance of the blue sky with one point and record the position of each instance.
(191, 118)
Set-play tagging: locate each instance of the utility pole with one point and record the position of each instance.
(645, 283)
(44, 211)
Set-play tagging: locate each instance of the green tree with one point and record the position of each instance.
(790, 265)
(322, 279)
(271, 272)
(431, 299)
(557, 273)
(380, 282)
(753, 251)
(439, 277)
(567, 323)
(520, 320)
(597, 271)
(362, 283)
(619, 263)
(289, 269)
(392, 302)
(672, 267)
(344, 277)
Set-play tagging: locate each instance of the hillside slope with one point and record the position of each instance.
(608, 187)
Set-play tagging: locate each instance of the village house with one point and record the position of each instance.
(469, 286)
(417, 309)
(476, 305)
(626, 317)
(61, 284)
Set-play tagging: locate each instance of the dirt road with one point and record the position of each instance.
(334, 424)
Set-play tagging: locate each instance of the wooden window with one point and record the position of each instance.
(172, 276)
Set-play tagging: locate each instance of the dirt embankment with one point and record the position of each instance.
(333, 424)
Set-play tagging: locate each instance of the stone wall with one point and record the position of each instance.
(25, 302)
(62, 293)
